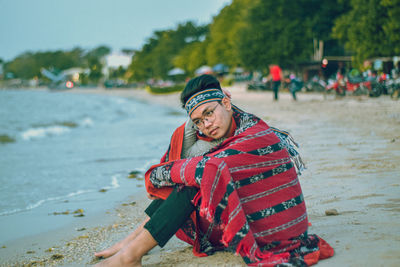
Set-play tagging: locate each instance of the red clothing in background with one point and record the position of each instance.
(275, 72)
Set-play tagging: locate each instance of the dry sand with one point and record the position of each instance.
(351, 147)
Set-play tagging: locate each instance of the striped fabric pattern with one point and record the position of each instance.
(250, 201)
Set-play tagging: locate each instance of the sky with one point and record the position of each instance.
(50, 25)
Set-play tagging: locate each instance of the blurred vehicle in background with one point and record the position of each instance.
(393, 88)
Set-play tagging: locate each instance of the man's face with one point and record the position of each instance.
(213, 118)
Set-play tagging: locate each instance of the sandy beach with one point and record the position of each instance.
(351, 147)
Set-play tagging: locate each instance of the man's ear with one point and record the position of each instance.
(226, 102)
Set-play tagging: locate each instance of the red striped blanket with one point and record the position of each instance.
(250, 201)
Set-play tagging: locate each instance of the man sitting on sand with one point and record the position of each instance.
(227, 182)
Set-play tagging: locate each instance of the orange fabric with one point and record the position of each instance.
(174, 153)
(312, 258)
(325, 251)
(177, 143)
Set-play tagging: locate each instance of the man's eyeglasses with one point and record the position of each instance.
(209, 116)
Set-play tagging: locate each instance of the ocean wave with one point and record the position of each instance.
(42, 201)
(113, 185)
(36, 133)
(86, 122)
(114, 182)
(58, 128)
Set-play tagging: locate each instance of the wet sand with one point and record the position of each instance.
(351, 147)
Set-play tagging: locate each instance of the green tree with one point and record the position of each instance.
(156, 57)
(118, 73)
(191, 57)
(370, 28)
(322, 15)
(223, 38)
(141, 65)
(23, 66)
(391, 26)
(278, 31)
(95, 62)
(29, 65)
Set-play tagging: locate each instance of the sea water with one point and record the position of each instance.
(61, 151)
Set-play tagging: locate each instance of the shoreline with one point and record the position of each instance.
(351, 147)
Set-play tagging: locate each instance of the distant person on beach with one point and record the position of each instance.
(275, 73)
(227, 182)
(295, 85)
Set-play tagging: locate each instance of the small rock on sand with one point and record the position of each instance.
(331, 212)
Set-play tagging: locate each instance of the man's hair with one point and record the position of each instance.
(198, 84)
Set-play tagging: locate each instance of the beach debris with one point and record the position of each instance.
(114, 226)
(133, 174)
(174, 113)
(133, 203)
(49, 250)
(57, 257)
(81, 229)
(3, 247)
(69, 124)
(30, 252)
(61, 213)
(331, 212)
(103, 190)
(83, 237)
(78, 211)
(6, 139)
(34, 263)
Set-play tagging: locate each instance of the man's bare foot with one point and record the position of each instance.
(119, 259)
(131, 254)
(110, 251)
(118, 246)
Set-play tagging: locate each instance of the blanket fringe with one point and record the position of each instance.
(292, 147)
(259, 258)
(207, 212)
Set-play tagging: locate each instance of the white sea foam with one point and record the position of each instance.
(86, 122)
(42, 201)
(114, 185)
(114, 182)
(36, 133)
(52, 130)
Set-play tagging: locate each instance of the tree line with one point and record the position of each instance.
(250, 34)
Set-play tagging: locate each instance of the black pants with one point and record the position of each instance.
(167, 216)
(275, 88)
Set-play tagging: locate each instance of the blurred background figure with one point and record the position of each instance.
(295, 85)
(275, 73)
